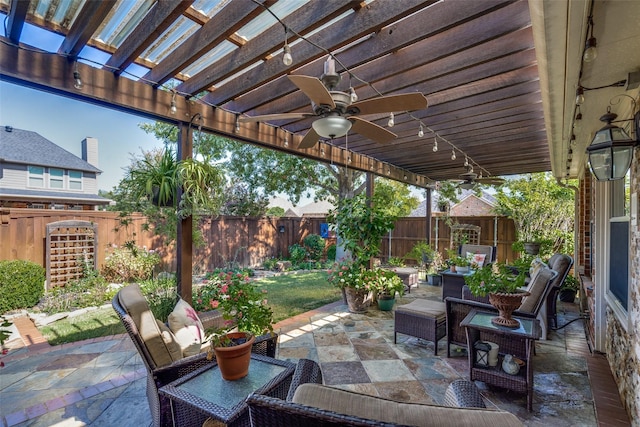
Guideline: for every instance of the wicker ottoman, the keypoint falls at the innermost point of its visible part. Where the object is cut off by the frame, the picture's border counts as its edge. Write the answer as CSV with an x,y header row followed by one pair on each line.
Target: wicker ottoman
x,y
421,318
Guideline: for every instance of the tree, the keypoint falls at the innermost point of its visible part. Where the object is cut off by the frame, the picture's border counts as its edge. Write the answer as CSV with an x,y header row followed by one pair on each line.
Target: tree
x,y
396,197
541,209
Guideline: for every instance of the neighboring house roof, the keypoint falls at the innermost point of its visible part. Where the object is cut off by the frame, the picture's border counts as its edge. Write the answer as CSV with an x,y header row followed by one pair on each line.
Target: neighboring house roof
x,y
39,195
28,147
464,196
320,208
280,202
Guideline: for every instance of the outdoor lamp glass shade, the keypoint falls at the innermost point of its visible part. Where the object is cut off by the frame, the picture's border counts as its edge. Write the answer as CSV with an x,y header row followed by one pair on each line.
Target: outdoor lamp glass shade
x,y
610,151
331,126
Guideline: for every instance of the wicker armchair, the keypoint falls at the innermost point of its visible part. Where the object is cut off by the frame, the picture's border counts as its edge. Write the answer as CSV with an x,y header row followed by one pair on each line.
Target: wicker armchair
x,y
160,374
562,264
457,309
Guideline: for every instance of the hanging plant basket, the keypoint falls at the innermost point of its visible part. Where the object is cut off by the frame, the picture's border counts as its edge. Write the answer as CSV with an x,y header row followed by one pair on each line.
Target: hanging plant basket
x,y
532,248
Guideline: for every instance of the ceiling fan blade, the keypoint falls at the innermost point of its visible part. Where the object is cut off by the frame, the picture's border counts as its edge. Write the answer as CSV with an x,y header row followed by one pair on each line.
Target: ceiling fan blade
x,y
310,139
269,117
314,89
491,181
391,103
371,130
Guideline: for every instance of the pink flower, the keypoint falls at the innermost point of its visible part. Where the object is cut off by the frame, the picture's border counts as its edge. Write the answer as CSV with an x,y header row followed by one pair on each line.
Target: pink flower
x,y
224,289
215,304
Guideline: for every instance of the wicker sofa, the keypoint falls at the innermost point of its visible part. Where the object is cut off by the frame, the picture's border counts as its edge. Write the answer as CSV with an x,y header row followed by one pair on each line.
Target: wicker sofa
x,y
317,405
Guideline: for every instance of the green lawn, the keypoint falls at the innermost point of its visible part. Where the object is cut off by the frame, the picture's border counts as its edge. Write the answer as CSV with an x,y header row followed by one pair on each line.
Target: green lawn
x,y
288,295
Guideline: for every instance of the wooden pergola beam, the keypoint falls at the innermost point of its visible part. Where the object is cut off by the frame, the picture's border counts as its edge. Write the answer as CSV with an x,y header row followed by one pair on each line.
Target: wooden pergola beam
x,y
54,73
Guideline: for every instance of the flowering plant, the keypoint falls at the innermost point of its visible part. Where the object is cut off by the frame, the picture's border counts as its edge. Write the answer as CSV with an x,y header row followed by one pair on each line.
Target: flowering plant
x,y
242,303
349,274
388,282
494,278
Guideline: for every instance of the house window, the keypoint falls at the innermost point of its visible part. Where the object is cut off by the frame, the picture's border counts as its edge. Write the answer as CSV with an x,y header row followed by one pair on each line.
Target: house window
x,y
619,254
75,180
36,176
56,178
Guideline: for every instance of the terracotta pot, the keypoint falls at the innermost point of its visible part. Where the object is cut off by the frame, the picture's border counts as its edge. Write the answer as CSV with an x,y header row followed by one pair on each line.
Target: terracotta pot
x,y
357,300
506,303
234,361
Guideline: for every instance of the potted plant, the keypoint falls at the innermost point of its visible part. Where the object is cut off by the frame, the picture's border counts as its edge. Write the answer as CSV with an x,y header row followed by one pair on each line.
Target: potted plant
x,y
245,310
569,288
387,284
158,175
350,276
434,270
360,225
461,264
503,287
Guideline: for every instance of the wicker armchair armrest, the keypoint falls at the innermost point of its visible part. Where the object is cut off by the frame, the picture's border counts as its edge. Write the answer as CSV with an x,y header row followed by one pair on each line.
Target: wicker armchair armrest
x,y
180,368
307,371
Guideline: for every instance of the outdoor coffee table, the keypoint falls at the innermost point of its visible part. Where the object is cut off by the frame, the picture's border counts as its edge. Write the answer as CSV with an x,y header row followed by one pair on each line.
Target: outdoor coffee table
x,y
203,393
518,342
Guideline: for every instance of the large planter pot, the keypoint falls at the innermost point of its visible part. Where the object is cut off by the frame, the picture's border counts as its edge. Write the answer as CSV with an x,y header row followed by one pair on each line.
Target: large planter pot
x,y
567,295
506,303
357,300
385,302
532,248
234,361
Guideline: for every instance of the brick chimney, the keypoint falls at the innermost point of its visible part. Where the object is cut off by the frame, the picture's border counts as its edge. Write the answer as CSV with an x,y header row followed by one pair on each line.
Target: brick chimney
x,y
90,150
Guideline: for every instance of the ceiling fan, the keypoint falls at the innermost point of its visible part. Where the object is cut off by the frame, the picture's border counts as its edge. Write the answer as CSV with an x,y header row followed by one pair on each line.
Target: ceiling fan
x,y
469,179
338,111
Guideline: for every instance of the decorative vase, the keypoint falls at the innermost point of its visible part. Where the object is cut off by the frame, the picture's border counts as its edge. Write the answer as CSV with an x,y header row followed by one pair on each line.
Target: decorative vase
x,y
506,303
509,365
234,361
358,300
385,302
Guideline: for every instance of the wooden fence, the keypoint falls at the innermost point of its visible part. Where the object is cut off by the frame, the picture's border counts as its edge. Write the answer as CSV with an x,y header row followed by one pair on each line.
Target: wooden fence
x,y
241,240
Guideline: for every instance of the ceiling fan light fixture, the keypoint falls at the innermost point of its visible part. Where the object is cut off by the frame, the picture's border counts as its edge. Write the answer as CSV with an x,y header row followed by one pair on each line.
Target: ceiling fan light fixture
x,y
468,185
331,126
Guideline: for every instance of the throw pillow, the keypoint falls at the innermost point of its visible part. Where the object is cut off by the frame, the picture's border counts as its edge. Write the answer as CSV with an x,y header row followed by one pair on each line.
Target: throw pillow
x,y
187,328
477,259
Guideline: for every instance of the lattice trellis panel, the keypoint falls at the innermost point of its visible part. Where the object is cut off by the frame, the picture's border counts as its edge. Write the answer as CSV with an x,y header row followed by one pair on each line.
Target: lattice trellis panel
x,y
70,246
465,233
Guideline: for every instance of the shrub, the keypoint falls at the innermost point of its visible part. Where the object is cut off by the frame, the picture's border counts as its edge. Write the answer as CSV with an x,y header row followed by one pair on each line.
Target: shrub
x,y
129,264
297,254
270,263
21,284
395,261
314,244
162,296
89,291
331,252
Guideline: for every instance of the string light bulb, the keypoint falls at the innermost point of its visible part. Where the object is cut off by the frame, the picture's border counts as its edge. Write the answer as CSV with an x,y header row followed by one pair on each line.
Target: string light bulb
x,y
237,124
435,144
287,59
421,131
466,161
580,95
286,140
391,121
590,51
353,95
453,154
77,81
173,109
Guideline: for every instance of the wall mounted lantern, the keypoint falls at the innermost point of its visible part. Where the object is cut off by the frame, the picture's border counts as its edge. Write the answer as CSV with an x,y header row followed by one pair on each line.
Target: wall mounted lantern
x,y
611,150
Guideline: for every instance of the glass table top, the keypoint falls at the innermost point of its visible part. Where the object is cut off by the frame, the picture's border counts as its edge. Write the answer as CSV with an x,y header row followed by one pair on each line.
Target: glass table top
x,y
210,385
528,327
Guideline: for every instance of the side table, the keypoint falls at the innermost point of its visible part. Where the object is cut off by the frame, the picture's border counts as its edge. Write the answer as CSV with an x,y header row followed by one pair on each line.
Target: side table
x,y
518,342
204,393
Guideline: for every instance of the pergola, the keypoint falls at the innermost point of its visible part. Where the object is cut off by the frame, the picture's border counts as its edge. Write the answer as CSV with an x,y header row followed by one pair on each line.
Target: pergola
x,y
500,76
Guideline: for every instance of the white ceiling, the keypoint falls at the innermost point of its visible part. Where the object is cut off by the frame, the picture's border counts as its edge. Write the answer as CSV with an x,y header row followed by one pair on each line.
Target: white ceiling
x,y
560,32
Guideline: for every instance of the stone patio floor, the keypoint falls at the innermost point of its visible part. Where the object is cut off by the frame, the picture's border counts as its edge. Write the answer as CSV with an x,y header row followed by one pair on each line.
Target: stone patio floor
x,y
101,382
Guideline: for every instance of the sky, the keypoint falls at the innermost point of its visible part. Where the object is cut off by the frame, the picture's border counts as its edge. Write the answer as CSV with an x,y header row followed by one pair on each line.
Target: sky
x,y
66,122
